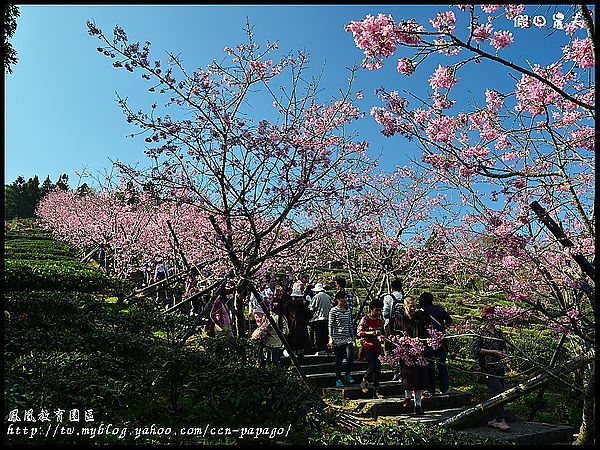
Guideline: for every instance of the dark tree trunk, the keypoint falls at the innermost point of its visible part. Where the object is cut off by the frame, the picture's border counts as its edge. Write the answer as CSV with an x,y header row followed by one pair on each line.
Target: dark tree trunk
x,y
587,431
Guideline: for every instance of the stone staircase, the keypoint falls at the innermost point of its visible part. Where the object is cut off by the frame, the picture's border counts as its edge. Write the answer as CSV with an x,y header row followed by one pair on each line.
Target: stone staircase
x,y
366,409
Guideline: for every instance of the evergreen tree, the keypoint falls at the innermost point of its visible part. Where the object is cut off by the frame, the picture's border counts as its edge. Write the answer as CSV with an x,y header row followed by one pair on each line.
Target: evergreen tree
x,y
11,12
63,182
83,190
22,197
30,197
47,187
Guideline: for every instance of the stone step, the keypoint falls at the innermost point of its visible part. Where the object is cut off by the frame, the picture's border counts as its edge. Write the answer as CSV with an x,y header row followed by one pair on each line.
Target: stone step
x,y
327,367
388,388
327,381
393,406
527,433
311,359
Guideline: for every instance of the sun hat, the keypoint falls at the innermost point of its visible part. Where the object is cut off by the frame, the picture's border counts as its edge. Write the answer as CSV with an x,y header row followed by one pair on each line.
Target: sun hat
x,y
487,311
296,293
318,287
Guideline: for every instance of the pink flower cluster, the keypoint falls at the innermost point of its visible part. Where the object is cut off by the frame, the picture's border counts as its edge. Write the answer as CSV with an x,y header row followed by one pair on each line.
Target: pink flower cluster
x,y
405,66
482,32
488,9
409,32
564,324
584,137
376,36
408,350
441,129
411,351
510,315
581,53
502,39
533,95
443,77
513,11
444,21
476,152
493,100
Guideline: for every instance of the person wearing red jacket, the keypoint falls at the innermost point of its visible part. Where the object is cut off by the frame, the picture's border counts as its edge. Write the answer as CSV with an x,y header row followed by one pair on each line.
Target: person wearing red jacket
x,y
370,331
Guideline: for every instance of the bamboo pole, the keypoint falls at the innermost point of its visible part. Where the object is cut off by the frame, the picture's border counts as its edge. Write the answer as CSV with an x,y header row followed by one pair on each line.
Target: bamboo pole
x,y
89,255
518,391
192,297
283,339
190,330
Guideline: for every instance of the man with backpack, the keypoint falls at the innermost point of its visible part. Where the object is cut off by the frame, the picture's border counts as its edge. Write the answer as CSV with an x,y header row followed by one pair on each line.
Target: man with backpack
x,y
393,306
439,319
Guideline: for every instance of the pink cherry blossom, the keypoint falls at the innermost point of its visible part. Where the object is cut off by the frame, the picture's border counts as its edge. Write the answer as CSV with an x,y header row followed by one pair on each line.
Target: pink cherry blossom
x,y
581,52
444,21
513,11
482,32
488,9
502,39
376,36
443,77
405,66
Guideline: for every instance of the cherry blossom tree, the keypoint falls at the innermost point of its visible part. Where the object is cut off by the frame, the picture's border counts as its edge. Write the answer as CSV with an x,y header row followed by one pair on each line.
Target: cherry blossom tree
x,y
534,142
205,141
380,232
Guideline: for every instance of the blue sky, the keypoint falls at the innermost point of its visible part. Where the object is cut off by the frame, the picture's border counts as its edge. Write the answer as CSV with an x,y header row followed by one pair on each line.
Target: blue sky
x,y
61,113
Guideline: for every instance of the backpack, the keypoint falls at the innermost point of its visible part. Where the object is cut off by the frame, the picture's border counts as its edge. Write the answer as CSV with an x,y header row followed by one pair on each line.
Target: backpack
x,y
393,311
436,324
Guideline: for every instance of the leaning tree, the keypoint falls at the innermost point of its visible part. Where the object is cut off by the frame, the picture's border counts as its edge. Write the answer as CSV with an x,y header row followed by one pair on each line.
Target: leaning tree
x,y
210,135
509,152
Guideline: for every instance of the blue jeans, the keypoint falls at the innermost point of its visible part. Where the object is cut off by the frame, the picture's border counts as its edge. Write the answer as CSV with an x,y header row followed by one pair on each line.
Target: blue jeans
x,y
442,369
341,352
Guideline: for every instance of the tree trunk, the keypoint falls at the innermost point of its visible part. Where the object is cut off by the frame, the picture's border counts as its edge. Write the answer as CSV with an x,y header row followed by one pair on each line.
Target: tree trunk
x,y
587,431
240,317
520,390
242,290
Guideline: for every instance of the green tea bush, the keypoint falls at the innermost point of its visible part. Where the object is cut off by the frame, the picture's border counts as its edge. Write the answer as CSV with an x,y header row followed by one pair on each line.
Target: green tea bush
x,y
48,275
407,433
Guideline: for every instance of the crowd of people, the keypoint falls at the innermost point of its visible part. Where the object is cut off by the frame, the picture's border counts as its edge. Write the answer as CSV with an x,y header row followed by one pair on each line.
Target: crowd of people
x,y
314,322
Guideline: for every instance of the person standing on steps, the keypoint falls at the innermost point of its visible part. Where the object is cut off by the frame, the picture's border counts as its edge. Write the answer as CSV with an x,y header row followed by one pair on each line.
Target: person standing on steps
x,y
370,330
270,345
320,305
340,282
392,308
440,319
341,339
490,347
297,315
413,324
220,321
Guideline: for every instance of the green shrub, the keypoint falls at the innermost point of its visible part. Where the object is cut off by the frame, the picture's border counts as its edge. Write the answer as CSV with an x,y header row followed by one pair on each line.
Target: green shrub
x,y
48,275
407,433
